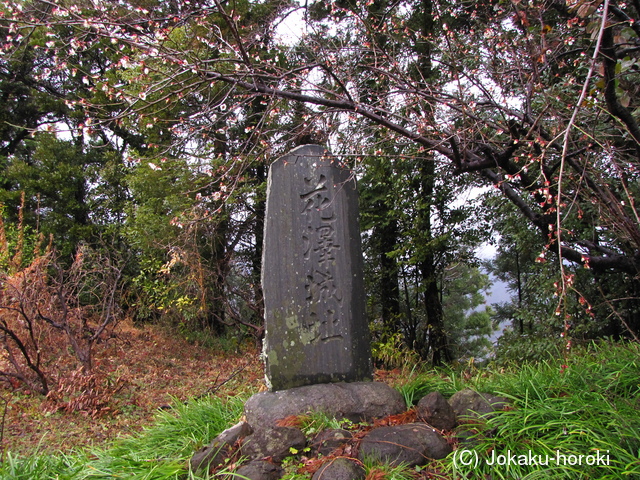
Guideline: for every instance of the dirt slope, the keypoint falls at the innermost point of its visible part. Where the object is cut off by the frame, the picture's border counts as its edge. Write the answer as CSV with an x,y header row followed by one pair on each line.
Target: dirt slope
x,y
135,373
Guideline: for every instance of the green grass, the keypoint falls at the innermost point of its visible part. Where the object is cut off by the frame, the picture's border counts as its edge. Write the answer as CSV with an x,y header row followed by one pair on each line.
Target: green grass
x,y
389,472
315,422
158,453
419,384
37,467
592,405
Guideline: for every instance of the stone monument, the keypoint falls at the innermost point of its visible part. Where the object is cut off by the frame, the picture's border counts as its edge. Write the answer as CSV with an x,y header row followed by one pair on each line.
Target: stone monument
x,y
317,352
316,328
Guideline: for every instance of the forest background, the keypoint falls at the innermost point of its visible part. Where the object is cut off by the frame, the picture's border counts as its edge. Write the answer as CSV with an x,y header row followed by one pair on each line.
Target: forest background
x,y
136,138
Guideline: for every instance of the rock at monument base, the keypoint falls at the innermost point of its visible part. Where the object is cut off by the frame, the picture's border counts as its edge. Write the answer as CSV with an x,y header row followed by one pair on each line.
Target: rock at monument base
x,y
259,470
354,401
436,411
410,445
340,468
325,442
265,444
275,442
469,404
215,453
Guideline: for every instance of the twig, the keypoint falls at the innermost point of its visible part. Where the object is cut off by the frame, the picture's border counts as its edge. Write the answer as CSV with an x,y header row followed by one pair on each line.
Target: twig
x,y
565,151
236,372
615,312
2,425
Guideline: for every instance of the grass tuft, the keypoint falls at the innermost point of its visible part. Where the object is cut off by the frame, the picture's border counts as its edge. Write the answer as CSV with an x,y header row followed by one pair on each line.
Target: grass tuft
x,y
379,471
160,452
588,407
416,385
43,466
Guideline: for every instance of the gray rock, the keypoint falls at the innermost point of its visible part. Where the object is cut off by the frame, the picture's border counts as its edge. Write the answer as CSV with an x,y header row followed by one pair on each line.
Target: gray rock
x,y
274,442
259,470
215,453
314,301
410,444
340,468
436,411
471,405
327,441
354,401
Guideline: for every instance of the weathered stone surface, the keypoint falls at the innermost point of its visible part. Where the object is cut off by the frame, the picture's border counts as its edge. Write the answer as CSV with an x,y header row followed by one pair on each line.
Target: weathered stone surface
x,y
259,470
215,453
274,442
316,330
327,441
470,404
410,444
340,468
436,411
354,401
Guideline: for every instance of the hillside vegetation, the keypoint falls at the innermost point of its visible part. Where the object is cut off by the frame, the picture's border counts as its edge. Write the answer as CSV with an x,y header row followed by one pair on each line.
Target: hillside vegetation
x,y
579,405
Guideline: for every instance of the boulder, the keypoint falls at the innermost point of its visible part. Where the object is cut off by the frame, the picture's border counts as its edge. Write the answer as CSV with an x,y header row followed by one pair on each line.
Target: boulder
x,y
340,468
471,405
355,401
274,442
259,470
327,441
215,453
436,411
410,444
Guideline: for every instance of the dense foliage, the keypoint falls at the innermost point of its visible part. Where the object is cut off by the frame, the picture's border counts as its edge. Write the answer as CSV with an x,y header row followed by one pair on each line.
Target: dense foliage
x,y
150,126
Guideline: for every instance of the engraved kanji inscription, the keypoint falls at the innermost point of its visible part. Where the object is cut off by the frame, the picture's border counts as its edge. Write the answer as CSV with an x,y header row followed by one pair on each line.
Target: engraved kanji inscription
x,y
323,308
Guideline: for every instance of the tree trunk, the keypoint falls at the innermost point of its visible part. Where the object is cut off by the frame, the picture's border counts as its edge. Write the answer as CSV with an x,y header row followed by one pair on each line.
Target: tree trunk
x,y
434,341
388,281
260,211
